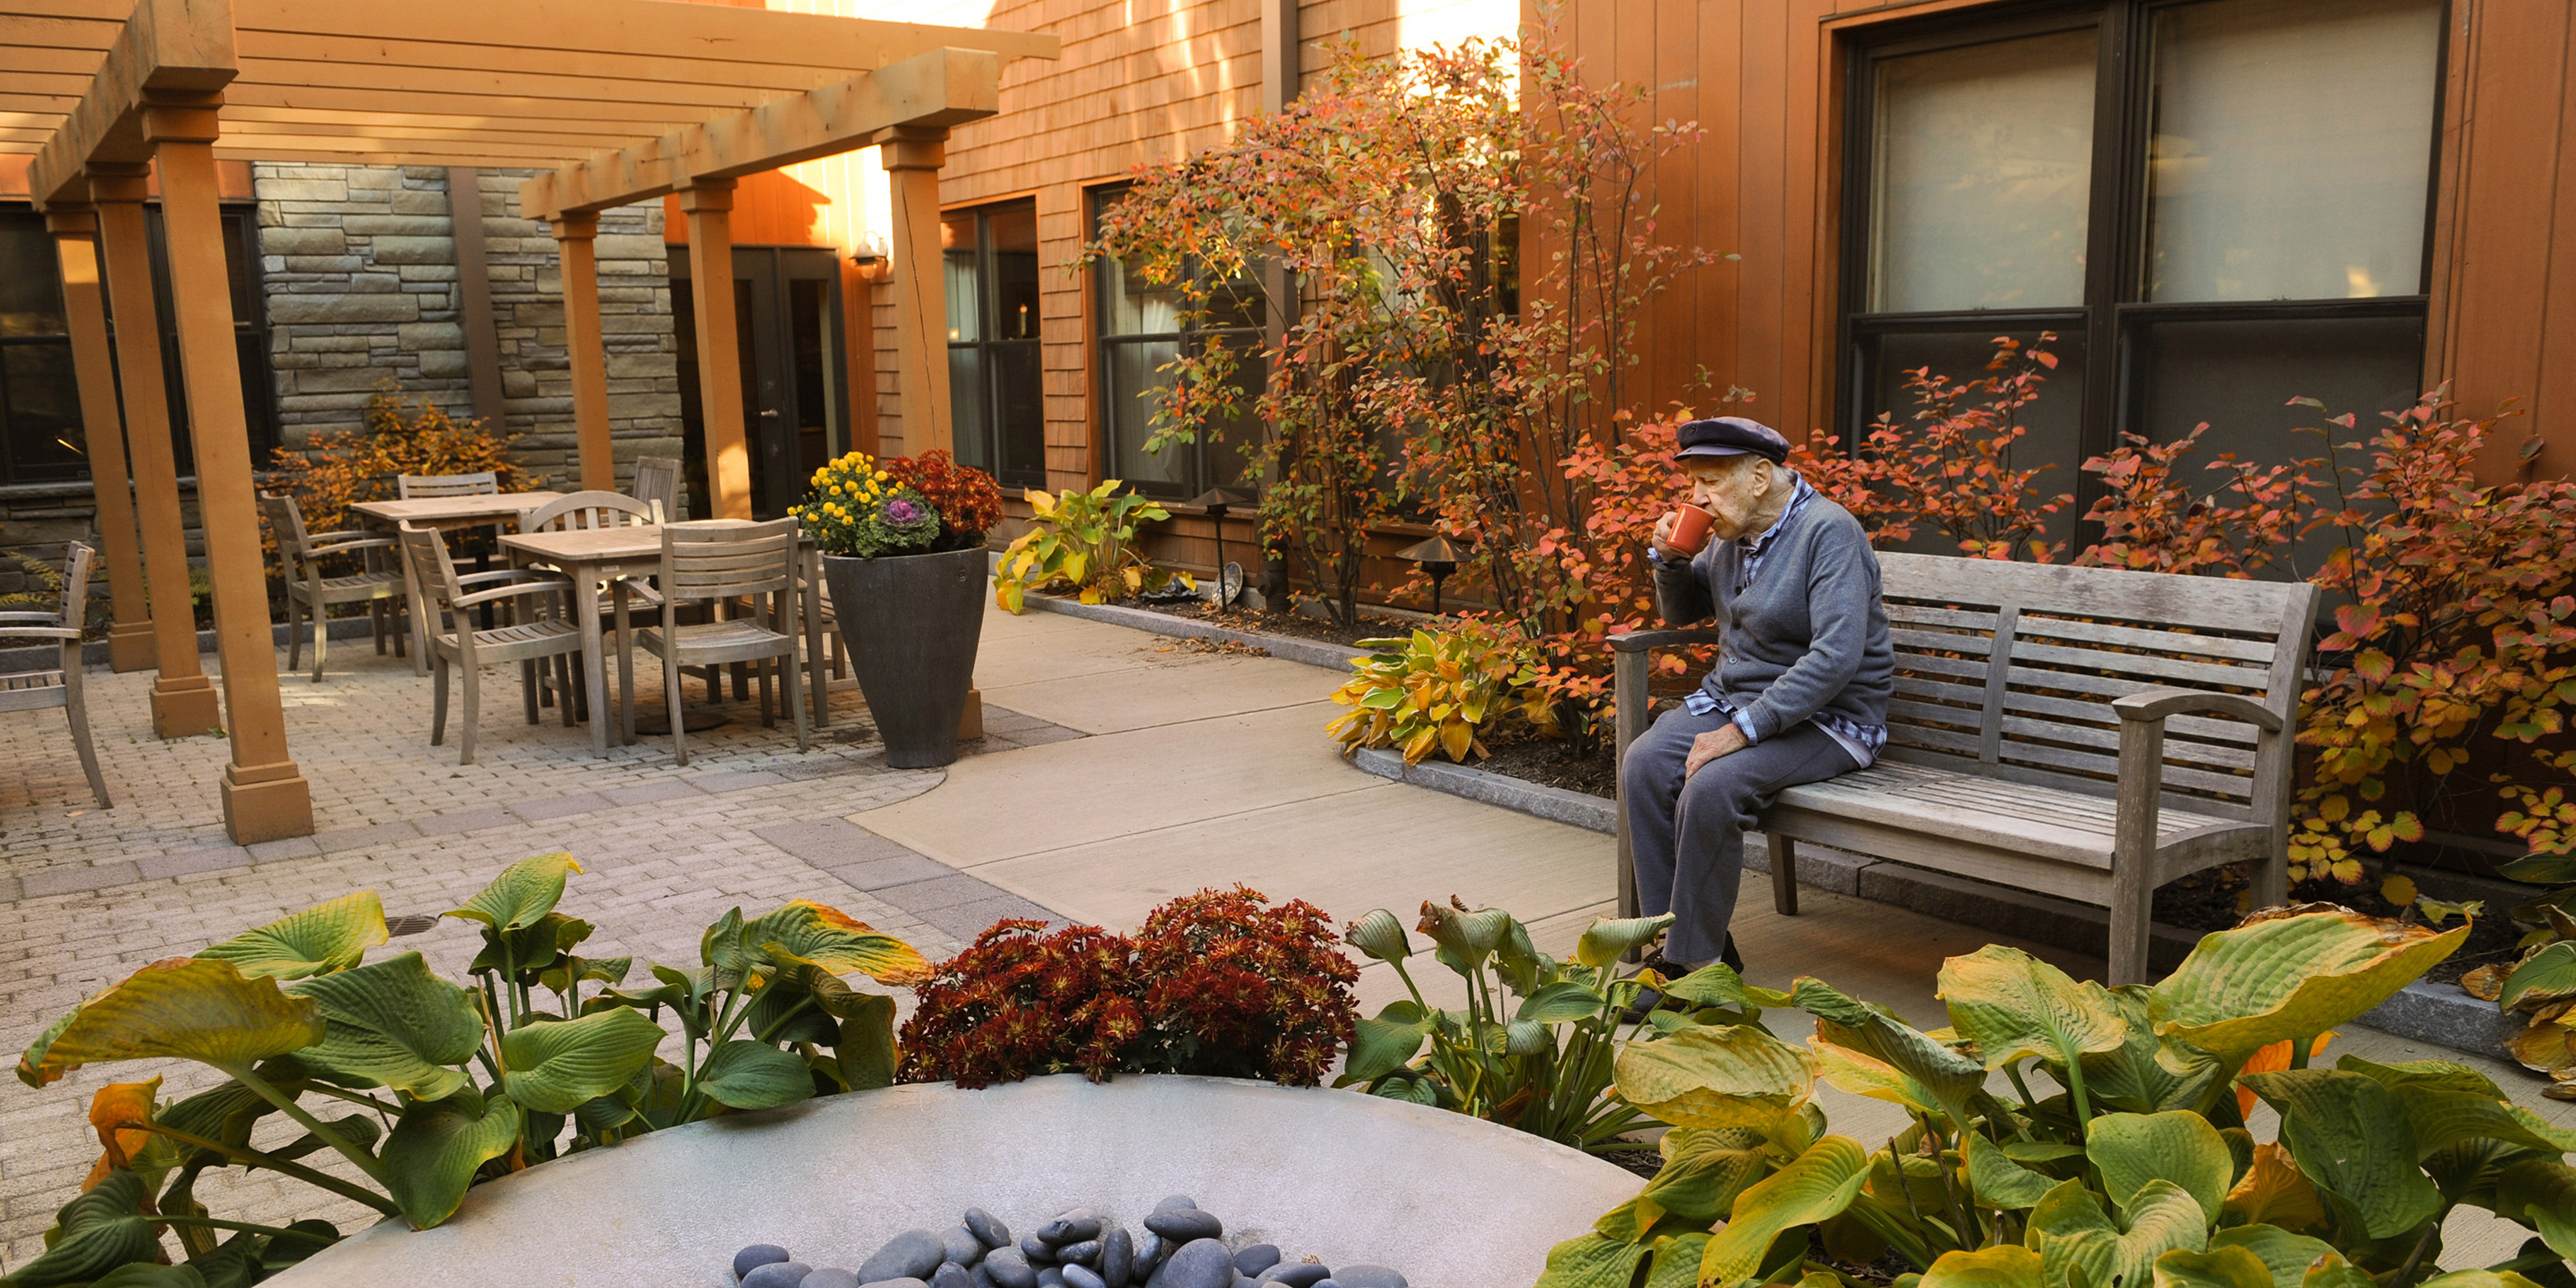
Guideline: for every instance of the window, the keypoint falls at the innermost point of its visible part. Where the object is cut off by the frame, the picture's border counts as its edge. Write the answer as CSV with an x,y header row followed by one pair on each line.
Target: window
x,y
2215,204
995,393
1140,333
42,439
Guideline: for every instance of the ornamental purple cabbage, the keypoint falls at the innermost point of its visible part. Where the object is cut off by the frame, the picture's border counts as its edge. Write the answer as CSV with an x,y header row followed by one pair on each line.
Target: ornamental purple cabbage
x,y
901,511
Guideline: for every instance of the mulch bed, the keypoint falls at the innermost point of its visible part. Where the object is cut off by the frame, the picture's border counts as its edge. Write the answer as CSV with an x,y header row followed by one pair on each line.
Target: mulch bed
x,y
1296,624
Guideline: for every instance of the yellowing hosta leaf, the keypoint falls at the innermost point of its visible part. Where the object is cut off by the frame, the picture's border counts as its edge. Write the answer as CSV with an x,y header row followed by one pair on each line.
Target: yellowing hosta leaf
x,y
2286,1255
1606,939
2291,973
2075,1236
1703,1173
117,1113
2010,1004
1860,1074
324,938
808,933
2216,1268
1941,1072
1817,1184
2332,1271
186,1008
2275,1192
1591,1261
1999,1181
2131,1150
1732,1075
2006,1265
525,891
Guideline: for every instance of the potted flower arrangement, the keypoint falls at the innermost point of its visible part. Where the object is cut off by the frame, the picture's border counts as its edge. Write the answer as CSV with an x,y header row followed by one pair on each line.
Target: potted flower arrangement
x,y
903,555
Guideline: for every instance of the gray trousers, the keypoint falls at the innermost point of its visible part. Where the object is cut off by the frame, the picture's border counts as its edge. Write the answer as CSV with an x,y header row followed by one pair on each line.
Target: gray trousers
x,y
1688,835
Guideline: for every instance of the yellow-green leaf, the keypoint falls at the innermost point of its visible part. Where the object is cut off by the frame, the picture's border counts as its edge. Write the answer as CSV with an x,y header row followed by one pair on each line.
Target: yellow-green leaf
x,y
2551,972
2353,1142
1944,1074
2291,974
525,891
1703,1173
392,1024
1608,938
808,933
1592,1262
2001,1182
2274,1192
2541,1191
2074,1235
2006,1265
1730,1075
187,1008
2131,1150
2216,1268
2286,1255
554,1066
326,937
743,1074
2010,1005
1817,1184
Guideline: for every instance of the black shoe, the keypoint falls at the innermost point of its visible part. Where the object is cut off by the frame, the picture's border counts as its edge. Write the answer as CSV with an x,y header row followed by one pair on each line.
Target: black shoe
x,y
1731,957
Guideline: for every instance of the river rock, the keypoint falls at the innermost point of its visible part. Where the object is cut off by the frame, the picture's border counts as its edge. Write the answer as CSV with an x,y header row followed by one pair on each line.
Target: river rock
x,y
1039,1252
987,1228
1077,1275
1200,1263
909,1255
1072,1227
952,1275
1082,1252
1051,1277
1117,1257
1368,1276
1257,1258
1183,1225
1008,1269
830,1277
962,1248
756,1256
1171,1201
1296,1274
777,1274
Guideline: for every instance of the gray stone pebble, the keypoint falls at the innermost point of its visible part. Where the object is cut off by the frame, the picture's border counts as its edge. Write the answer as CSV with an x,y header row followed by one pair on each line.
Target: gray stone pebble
x,y
1257,1258
1037,1250
1149,1254
1072,1227
1171,1201
777,1274
1008,1269
1083,1252
1296,1274
1117,1257
1077,1275
830,1277
963,1248
1184,1225
1200,1263
1367,1276
905,1282
1051,1278
987,1228
909,1255
952,1275
756,1256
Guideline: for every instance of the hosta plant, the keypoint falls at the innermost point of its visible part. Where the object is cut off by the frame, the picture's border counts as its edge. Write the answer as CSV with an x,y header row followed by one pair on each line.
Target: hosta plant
x,y
1079,541
1543,1063
438,1085
2067,1135
2540,989
1430,692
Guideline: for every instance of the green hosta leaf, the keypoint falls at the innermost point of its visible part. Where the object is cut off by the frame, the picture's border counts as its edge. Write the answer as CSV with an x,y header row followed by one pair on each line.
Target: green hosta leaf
x,y
2291,975
2003,1266
2001,1182
145,1275
2076,1238
326,937
1380,937
743,1074
1385,1044
1817,1184
1942,1073
1717,984
430,1158
1527,1038
2131,1150
2332,1271
1415,1090
2442,1118
1703,1173
2216,1268
2552,970
1559,1003
2148,1074
1465,938
2479,1279
2286,1255
583,970
92,1235
1733,1075
2423,1075
392,1024
2541,1191
532,951
2541,869
186,1008
1677,1258
728,953
525,891
2009,1005
2352,1140
556,1065
1592,1262
1608,939
808,933
866,1047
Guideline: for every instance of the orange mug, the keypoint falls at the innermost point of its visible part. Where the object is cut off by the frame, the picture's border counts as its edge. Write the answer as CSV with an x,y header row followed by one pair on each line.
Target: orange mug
x,y
1690,528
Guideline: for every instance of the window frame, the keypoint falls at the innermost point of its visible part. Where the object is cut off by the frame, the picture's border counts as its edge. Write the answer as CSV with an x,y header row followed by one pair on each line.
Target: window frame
x,y
988,305
1188,339
2114,316
9,467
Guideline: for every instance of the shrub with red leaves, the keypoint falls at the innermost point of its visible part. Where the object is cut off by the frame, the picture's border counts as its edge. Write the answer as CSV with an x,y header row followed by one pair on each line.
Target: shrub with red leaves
x,y
968,501
1217,983
1239,989
1021,1002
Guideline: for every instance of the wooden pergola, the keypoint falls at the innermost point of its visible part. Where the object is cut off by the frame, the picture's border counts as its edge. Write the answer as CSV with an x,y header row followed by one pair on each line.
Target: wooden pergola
x,y
617,100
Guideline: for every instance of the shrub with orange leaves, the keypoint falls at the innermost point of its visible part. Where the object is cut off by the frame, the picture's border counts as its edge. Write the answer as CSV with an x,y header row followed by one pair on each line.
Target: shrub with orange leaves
x,y
336,471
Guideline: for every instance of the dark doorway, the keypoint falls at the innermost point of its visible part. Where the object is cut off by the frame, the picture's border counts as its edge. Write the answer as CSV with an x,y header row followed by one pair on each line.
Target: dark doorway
x,y
795,384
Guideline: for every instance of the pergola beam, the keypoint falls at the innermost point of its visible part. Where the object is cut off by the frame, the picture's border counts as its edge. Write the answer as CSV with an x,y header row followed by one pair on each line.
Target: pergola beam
x,y
934,89
768,37
167,47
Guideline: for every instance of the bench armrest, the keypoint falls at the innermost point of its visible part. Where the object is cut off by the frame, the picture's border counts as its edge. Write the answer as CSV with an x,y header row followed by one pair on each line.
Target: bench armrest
x,y
1641,641
38,632
2156,704
33,619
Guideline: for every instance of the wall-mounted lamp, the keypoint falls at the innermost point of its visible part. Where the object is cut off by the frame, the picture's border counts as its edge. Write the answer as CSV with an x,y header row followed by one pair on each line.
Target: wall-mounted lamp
x,y
874,258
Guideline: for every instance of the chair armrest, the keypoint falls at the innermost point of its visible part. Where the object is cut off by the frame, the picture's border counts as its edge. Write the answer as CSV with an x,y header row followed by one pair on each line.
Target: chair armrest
x,y
2156,704
32,619
352,539
531,575
38,632
1642,641
552,587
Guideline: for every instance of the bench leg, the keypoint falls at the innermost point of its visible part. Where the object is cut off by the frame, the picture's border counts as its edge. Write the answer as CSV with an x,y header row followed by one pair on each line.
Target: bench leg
x,y
1784,873
2132,904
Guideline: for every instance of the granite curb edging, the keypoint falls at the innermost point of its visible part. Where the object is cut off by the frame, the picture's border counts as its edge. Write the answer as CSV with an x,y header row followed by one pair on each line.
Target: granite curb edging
x,y
2438,1014
1334,657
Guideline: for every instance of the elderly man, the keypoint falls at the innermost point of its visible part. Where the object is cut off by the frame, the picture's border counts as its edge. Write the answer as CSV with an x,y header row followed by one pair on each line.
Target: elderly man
x,y
1801,684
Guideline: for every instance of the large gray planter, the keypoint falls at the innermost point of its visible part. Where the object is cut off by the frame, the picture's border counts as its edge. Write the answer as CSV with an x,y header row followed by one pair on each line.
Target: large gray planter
x,y
1452,1201
912,623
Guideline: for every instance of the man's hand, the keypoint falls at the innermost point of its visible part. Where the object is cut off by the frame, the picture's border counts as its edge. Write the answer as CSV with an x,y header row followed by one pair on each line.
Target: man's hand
x,y
1723,740
1663,541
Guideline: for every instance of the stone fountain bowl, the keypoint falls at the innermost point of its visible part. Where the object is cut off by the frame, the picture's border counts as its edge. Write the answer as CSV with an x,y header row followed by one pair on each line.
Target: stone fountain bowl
x,y
1451,1201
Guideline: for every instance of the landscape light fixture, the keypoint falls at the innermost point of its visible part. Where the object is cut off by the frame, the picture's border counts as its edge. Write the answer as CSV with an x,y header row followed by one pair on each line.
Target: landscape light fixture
x,y
1216,501
1438,559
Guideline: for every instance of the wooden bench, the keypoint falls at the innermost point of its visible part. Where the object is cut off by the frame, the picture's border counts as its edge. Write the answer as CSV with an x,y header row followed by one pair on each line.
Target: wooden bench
x,y
2088,733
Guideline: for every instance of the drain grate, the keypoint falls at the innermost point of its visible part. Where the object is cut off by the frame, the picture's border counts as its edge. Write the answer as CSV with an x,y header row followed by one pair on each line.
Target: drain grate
x,y
412,924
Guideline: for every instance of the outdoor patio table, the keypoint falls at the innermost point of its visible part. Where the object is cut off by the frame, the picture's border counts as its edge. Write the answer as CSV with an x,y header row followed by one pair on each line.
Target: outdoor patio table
x,y
447,514
594,555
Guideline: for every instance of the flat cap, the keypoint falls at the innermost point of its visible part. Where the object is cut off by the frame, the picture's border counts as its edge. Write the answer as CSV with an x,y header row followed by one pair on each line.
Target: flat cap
x,y
1732,436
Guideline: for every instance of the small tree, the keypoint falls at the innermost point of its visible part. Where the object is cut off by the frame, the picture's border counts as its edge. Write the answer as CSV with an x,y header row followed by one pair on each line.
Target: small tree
x,y
338,470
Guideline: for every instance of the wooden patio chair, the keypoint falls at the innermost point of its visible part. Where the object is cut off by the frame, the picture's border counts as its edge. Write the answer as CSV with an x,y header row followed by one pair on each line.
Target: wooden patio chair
x,y
410,487
310,594
753,560
60,687
582,512
657,482
538,630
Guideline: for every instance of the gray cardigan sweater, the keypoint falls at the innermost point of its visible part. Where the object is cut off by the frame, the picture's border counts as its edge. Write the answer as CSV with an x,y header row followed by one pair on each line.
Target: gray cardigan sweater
x,y
1809,635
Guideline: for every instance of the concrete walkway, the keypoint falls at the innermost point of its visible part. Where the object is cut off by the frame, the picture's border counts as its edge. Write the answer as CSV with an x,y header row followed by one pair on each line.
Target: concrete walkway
x,y
1124,769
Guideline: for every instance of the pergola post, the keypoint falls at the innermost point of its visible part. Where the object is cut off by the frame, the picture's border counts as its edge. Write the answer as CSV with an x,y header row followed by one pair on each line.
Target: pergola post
x,y
265,795
912,156
709,206
576,244
129,636
183,699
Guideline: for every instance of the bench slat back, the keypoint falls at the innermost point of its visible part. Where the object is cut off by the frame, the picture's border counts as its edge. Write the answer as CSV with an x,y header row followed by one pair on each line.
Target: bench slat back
x,y
2009,669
